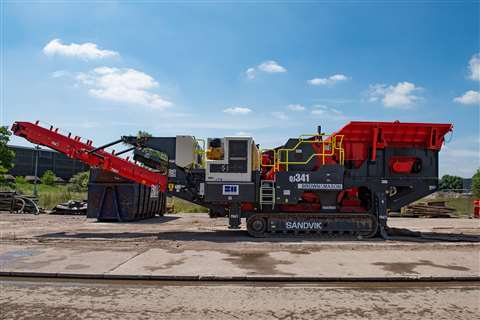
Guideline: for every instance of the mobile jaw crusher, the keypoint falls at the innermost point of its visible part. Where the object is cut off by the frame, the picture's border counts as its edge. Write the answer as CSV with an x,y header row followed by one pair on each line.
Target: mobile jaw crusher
x,y
339,184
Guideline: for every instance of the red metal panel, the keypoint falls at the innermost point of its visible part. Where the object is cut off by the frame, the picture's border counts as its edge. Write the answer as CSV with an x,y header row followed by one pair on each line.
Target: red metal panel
x,y
76,149
401,164
359,136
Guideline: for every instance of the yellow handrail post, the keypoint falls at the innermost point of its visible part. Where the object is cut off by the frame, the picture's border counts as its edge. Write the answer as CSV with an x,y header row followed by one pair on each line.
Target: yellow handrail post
x,y
276,158
323,152
286,161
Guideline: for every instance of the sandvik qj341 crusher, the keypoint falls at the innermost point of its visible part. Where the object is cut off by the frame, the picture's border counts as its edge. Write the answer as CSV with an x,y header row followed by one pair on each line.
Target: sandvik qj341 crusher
x,y
344,183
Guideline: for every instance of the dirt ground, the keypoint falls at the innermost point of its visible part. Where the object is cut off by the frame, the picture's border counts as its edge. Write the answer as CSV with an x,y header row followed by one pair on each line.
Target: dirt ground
x,y
73,300
191,242
181,227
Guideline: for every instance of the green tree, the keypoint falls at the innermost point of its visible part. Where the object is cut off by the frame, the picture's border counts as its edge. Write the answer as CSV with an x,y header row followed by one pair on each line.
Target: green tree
x,y
6,154
79,182
449,182
476,184
142,134
48,178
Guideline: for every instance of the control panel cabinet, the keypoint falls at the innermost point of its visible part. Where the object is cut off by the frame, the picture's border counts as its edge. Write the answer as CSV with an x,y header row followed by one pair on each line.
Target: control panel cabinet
x,y
236,165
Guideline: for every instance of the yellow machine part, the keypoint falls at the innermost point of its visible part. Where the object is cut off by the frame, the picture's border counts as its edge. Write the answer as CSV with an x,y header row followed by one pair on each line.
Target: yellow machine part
x,y
255,158
215,153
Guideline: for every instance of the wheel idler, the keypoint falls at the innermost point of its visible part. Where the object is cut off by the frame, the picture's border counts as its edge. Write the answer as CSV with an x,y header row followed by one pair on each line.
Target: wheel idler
x,y
257,227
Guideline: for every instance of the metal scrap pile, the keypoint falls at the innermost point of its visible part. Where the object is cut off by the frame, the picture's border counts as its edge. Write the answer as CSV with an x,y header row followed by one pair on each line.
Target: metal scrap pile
x,y
17,203
71,207
430,209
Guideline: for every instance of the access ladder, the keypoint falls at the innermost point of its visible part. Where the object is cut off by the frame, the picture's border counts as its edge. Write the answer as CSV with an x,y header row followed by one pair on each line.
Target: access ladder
x,y
267,193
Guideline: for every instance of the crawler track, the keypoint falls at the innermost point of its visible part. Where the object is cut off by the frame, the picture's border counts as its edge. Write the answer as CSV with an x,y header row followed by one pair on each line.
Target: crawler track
x,y
356,225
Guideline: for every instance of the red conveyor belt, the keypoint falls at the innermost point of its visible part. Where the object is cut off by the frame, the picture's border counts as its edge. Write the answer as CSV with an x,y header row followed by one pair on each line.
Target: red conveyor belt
x,y
85,152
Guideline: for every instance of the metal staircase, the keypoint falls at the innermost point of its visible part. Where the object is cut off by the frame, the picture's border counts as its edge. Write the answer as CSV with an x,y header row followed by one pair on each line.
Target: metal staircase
x,y
267,193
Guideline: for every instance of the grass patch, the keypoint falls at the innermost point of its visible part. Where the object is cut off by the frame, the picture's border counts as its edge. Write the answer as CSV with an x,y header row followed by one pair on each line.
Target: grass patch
x,y
50,196
463,205
183,206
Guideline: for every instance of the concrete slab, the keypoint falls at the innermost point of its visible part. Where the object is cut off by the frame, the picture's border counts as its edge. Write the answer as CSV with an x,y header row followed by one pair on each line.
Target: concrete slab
x,y
382,263
41,259
192,245
160,262
335,263
451,261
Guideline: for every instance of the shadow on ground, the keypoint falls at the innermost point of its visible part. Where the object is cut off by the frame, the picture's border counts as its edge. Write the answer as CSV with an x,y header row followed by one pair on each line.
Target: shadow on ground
x,y
154,220
402,234
229,236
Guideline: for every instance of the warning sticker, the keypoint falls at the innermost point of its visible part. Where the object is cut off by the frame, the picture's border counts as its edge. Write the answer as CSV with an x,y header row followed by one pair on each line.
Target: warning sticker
x,y
154,191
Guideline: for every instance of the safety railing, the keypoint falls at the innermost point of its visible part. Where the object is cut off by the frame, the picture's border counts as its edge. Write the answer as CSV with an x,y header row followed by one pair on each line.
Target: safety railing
x,y
330,146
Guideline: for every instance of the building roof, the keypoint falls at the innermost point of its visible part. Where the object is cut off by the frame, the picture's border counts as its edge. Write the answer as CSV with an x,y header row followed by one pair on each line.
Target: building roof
x,y
31,148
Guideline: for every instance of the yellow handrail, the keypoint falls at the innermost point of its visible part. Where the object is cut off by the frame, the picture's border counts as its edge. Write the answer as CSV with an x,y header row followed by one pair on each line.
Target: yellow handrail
x,y
333,143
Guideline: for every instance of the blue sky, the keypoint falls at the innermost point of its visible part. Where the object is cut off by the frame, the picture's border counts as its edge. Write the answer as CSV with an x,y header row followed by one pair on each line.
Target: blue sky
x,y
272,71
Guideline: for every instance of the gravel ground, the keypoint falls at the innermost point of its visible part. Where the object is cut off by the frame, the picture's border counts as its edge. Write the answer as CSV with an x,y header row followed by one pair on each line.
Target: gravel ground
x,y
67,300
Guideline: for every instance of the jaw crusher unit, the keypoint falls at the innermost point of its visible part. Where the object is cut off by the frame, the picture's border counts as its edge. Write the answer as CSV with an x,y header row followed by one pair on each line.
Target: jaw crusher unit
x,y
339,184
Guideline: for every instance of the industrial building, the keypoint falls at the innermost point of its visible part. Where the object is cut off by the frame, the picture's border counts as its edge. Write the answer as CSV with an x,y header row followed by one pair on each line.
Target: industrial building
x,y
63,166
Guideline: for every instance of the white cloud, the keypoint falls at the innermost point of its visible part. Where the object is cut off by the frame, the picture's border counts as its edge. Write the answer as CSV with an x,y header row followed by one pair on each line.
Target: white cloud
x,y
123,85
474,67
460,157
319,109
243,134
328,81
280,115
60,74
237,110
336,111
269,66
318,81
295,107
398,96
470,97
327,113
250,73
87,51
